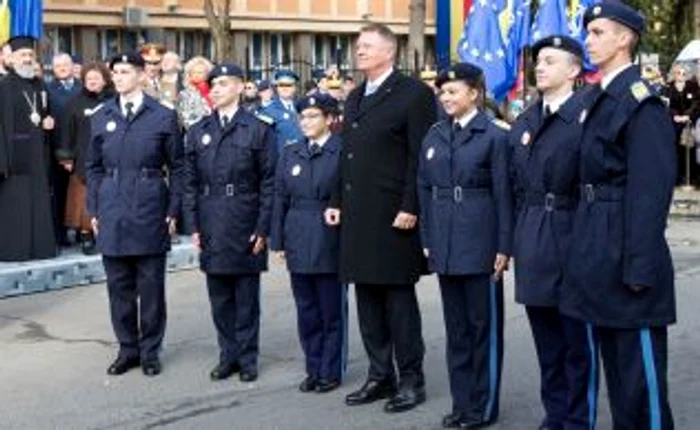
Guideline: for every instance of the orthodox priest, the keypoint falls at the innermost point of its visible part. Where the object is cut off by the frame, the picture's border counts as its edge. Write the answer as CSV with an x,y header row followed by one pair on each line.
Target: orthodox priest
x,y
26,227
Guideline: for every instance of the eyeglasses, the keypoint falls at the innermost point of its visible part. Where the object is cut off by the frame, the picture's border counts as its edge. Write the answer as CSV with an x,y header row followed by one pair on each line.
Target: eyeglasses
x,y
284,85
310,116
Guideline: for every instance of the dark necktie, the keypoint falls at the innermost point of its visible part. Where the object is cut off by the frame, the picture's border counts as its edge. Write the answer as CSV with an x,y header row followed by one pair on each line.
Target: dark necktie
x,y
314,149
547,112
129,111
226,120
456,128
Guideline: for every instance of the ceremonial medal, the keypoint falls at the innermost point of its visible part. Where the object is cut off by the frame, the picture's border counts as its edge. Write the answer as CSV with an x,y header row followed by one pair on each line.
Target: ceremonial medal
x,y
111,126
296,170
525,138
35,118
431,152
206,140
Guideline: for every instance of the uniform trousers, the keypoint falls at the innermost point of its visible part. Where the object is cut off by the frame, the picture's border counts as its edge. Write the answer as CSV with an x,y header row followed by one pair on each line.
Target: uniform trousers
x,y
321,302
235,309
136,287
568,357
390,325
473,313
635,363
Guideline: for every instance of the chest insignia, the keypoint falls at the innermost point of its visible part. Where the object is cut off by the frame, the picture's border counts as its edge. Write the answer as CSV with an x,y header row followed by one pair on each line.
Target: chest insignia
x,y
206,140
582,117
296,170
111,126
525,138
430,153
285,116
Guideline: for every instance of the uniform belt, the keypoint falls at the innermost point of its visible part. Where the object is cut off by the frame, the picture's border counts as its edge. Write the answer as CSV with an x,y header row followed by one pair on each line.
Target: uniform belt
x,y
142,173
550,201
309,204
226,190
604,193
458,193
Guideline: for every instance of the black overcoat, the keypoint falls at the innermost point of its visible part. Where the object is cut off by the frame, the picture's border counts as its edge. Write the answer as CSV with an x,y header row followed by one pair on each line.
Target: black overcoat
x,y
382,136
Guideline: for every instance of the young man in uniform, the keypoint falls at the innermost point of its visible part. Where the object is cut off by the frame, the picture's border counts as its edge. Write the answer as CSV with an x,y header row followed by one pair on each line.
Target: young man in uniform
x,y
620,274
133,207
545,141
230,171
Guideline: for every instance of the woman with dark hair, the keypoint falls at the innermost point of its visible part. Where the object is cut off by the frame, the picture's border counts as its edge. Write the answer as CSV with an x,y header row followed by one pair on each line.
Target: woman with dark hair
x,y
74,143
466,227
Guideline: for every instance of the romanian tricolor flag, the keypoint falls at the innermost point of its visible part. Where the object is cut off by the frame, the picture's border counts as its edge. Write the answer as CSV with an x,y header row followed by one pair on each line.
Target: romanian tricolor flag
x,y
4,21
450,17
21,18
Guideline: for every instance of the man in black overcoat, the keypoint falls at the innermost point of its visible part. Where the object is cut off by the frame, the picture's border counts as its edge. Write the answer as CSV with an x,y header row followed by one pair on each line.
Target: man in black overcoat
x,y
376,206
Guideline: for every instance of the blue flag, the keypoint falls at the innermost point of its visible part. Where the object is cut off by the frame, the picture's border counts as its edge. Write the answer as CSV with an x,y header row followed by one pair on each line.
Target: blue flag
x,y
578,31
551,19
519,32
26,18
483,46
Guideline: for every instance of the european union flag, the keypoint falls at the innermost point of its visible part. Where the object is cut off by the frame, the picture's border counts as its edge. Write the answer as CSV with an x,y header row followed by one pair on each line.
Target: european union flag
x,y
551,19
482,45
26,18
578,31
519,32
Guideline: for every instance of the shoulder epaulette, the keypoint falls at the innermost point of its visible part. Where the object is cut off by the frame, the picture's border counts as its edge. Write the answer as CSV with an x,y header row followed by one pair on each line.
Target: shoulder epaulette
x,y
264,118
640,91
500,124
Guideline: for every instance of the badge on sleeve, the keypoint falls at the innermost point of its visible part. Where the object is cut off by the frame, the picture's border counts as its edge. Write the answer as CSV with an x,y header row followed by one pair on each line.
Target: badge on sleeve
x,y
296,170
430,153
111,126
206,140
525,138
639,91
582,118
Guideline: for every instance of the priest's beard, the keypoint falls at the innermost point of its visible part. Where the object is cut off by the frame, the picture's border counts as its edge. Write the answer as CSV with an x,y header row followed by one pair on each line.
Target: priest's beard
x,y
24,71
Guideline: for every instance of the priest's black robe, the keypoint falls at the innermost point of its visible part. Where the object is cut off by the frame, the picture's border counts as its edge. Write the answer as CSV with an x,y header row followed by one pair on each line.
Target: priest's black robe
x,y
26,226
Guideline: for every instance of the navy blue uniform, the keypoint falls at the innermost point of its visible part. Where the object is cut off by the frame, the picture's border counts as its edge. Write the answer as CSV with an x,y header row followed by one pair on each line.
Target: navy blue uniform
x,y
627,171
130,196
229,191
545,179
305,181
286,121
466,219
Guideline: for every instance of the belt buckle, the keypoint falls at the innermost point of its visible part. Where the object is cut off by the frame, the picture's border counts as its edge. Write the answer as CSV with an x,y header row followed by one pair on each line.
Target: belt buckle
x,y
458,194
229,190
590,193
549,200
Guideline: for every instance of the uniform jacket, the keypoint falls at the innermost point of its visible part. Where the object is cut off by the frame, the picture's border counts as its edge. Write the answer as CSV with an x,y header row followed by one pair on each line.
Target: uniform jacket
x,y
286,121
466,200
627,171
382,135
229,190
304,185
127,165
545,157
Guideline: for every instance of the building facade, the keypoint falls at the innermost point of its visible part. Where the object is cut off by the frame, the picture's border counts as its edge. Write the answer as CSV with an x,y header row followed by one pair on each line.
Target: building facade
x,y
302,34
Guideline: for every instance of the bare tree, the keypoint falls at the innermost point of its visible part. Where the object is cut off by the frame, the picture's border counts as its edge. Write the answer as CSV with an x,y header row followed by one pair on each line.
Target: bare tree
x,y
218,14
416,34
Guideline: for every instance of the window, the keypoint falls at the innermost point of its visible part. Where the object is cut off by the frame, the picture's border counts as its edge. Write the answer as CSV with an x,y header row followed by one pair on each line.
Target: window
x,y
110,42
320,51
280,49
130,41
64,40
341,51
256,55
274,49
188,50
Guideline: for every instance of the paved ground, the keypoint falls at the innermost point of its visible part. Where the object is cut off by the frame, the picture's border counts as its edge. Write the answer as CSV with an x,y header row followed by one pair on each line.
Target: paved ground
x,y
54,348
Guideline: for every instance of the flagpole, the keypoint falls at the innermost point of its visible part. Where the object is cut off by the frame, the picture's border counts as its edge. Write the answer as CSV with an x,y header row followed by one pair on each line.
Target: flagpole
x,y
523,59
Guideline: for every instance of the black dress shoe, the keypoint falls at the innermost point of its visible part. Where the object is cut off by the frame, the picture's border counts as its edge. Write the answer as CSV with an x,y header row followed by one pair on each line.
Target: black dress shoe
x,y
248,376
122,365
325,386
151,367
87,244
452,421
308,384
476,424
224,370
370,392
406,399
